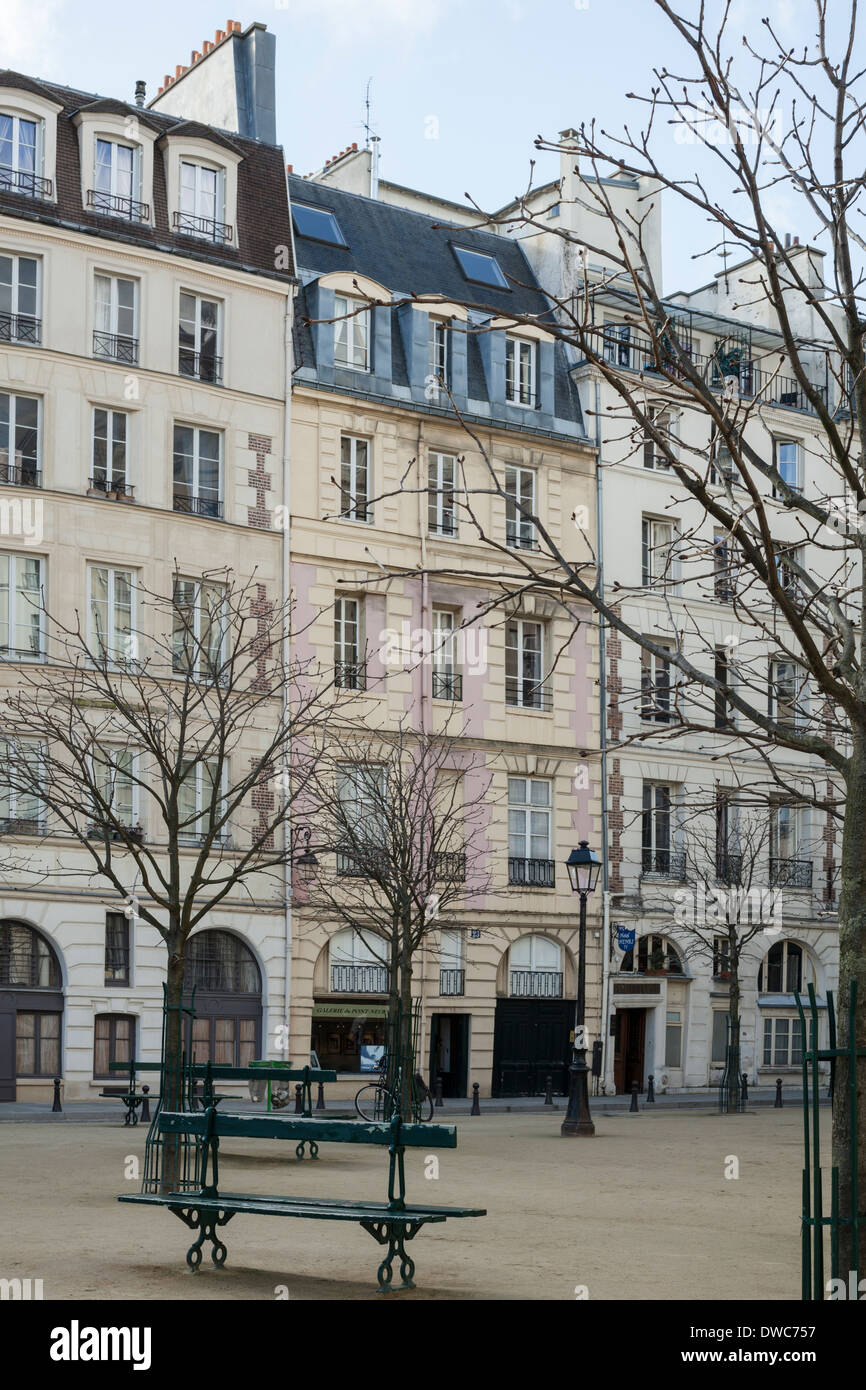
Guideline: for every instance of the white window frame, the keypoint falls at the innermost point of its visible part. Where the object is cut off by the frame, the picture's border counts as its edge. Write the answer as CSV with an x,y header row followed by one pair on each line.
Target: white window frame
x,y
799,702
114,310
195,484
348,614
664,419
439,354
442,484
356,780
352,333
526,809
519,531
109,753
39,142
114,171
197,331
782,442
654,574
521,367
200,587
8,559
770,1032
11,452
188,835
15,287
13,801
201,166
354,505
112,479
656,685
523,650
116,657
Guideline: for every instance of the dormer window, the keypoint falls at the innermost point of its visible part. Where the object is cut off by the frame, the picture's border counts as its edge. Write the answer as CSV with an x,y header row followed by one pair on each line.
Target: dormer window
x,y
21,156
519,371
202,202
117,181
351,334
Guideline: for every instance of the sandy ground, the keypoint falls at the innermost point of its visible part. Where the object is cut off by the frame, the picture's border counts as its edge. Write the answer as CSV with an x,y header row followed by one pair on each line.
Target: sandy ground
x,y
641,1211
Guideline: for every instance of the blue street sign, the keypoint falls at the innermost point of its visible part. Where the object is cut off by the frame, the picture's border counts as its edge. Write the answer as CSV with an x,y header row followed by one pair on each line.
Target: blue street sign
x,y
625,938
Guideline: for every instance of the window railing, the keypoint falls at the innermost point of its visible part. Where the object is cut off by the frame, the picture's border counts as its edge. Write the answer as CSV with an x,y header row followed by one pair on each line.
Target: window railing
x,y
21,825
19,474
532,873
202,366
536,984
525,694
446,527
23,181
104,830
664,863
118,205
350,675
450,866
520,540
790,873
206,227
364,863
197,506
729,867
447,685
359,979
115,347
20,328
452,980
31,653
112,488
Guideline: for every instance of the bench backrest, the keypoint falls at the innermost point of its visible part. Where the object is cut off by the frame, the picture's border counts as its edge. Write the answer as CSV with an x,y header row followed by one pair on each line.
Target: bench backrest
x,y
214,1124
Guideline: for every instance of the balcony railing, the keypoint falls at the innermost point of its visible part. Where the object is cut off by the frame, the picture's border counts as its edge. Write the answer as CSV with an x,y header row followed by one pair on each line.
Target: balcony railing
x,y
532,873
112,488
18,474
363,863
451,981
20,825
446,527
664,863
359,979
526,694
790,873
350,675
115,347
206,227
536,984
22,181
450,866
729,867
447,685
201,366
518,539
118,206
20,328
101,830
197,506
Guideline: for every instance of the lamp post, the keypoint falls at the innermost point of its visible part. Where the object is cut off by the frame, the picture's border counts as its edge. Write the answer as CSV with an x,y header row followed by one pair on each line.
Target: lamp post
x,y
307,863
583,869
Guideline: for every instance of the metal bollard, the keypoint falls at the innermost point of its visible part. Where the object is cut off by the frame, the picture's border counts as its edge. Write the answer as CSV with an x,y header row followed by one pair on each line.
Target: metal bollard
x,y
437,1089
145,1104
651,1091
633,1108
299,1103
476,1108
320,1098
548,1090
57,1106
745,1079
778,1102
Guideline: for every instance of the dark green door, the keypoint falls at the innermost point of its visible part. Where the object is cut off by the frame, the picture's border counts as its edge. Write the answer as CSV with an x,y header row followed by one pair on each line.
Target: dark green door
x,y
531,1041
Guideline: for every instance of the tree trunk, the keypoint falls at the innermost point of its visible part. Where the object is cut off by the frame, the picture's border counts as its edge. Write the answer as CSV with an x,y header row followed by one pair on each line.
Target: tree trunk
x,y
852,966
735,1061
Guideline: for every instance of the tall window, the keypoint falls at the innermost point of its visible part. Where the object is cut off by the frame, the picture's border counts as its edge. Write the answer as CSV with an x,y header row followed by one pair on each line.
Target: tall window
x,y
20,444
114,784
722,469
724,567
657,552
656,830
519,371
117,952
723,671
673,1038
520,508
110,601
355,478
199,338
21,809
113,1041
37,1044
116,181
199,795
788,463
115,327
788,694
21,156
441,508
781,970
524,666
362,793
197,471
447,683
439,353
198,643
719,1044
535,968
661,421
789,562
789,865
351,334
20,607
783,1042
530,858
349,671
655,686
19,300
110,438
26,959
202,199
617,344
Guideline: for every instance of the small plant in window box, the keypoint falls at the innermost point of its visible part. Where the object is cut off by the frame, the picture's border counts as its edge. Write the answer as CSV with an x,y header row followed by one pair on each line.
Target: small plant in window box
x,y
657,962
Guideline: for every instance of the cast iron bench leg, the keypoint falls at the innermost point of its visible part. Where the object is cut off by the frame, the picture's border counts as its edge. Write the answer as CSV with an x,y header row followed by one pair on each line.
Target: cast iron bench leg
x,y
394,1234
314,1148
206,1224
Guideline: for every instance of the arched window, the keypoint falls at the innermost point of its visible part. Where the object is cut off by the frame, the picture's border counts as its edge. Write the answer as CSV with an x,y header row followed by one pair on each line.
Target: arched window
x,y
26,959
219,962
358,963
32,1001
535,968
228,999
655,956
784,969
113,1041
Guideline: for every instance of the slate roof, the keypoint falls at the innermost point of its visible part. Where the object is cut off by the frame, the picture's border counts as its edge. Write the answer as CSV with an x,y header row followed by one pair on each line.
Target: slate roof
x,y
262,208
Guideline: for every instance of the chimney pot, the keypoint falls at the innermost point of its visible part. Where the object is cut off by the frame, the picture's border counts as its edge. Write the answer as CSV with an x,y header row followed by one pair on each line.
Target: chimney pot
x,y
220,35
290,169
207,46
232,26
796,241
354,144
140,91
178,69
195,55
166,80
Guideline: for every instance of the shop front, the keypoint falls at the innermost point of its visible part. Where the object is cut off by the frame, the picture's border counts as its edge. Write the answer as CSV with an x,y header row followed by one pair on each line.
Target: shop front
x,y
348,1036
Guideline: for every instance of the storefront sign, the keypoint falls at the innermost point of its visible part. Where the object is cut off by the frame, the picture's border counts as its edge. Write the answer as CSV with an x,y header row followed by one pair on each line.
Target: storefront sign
x,y
350,1010
625,938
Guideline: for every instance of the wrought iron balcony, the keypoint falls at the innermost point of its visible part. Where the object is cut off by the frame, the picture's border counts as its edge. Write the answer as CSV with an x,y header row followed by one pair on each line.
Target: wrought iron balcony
x,y
527,694
21,825
23,181
23,474
790,873
447,685
359,979
521,538
729,867
536,984
361,863
104,830
197,506
446,527
532,873
350,675
117,205
201,366
113,488
206,227
452,981
20,328
450,866
115,347
663,863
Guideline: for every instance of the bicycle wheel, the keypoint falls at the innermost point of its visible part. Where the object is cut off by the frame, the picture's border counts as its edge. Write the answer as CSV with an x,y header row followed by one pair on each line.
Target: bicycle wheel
x,y
425,1107
371,1102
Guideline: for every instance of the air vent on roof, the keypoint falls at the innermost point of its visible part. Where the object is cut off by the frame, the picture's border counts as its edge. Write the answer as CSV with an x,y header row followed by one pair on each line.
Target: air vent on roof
x,y
478,266
317,223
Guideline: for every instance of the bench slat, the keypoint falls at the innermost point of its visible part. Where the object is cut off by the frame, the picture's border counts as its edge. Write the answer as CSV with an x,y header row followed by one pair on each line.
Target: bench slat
x,y
413,1136
219,1072
314,1209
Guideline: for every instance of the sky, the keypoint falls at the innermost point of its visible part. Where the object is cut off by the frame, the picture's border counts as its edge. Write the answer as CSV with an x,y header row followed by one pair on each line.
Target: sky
x,y
460,88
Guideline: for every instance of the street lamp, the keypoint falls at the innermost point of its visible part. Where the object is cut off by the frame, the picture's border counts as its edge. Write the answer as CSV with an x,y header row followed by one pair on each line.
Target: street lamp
x,y
307,863
583,870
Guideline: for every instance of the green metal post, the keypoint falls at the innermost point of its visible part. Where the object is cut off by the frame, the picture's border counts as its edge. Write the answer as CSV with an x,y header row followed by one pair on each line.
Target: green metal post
x,y
854,1138
817,1178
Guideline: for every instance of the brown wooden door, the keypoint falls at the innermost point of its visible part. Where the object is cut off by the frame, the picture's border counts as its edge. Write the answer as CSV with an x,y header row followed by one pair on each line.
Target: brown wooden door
x,y
628,1057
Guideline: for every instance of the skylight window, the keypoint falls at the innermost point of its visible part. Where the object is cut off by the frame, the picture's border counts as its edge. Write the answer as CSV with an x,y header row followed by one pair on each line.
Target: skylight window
x,y
317,223
478,266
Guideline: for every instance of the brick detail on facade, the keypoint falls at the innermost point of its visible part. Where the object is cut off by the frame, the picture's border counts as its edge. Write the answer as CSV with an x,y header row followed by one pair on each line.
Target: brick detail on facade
x,y
262,609
259,515
615,818
262,801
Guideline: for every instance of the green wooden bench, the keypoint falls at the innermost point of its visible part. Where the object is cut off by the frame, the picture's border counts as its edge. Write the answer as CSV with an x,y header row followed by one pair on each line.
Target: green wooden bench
x,y
392,1223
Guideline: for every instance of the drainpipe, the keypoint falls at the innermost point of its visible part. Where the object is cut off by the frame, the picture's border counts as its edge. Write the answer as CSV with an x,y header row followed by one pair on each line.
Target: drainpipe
x,y
602,687
426,615
285,586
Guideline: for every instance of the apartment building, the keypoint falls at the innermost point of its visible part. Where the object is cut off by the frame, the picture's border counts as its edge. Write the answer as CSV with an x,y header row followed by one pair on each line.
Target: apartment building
x,y
145,281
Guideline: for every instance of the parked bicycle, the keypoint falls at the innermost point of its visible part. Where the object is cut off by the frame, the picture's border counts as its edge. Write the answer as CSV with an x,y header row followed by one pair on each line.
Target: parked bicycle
x,y
376,1100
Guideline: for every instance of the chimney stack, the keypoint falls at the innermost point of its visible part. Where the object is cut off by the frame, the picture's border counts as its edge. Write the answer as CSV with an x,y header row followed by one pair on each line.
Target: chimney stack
x,y
140,91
